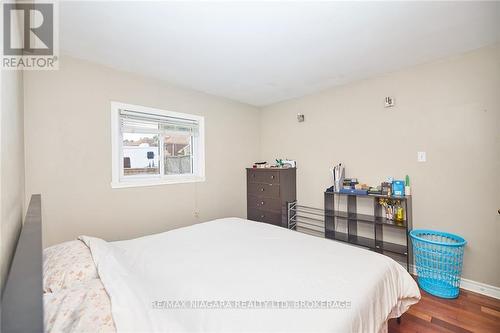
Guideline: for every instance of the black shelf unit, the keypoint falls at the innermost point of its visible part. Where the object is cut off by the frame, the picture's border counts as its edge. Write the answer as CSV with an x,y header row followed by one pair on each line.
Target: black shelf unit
x,y
351,218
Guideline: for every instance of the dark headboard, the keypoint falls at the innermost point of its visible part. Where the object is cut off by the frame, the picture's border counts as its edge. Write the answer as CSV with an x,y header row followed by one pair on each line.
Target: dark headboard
x,y
22,300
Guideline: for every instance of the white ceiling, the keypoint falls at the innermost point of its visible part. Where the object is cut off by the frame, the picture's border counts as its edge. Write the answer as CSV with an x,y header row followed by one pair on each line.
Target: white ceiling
x,y
264,52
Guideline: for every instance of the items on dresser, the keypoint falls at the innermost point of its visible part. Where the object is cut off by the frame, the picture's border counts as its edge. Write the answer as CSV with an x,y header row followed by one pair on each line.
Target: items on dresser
x,y
351,185
375,190
338,173
268,191
344,185
386,188
407,185
260,165
352,191
398,187
361,187
393,208
349,182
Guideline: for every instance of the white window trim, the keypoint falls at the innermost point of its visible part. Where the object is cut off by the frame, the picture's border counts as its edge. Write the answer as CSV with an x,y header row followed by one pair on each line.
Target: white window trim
x,y
117,181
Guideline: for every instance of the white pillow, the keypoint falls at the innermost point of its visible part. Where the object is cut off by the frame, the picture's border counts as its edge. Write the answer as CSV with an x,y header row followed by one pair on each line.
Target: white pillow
x,y
85,307
66,264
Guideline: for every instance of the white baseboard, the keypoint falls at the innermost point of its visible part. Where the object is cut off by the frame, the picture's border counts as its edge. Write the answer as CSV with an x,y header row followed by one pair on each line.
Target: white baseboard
x,y
474,286
480,288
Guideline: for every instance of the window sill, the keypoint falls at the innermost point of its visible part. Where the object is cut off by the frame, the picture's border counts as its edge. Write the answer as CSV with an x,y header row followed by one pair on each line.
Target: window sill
x,y
155,182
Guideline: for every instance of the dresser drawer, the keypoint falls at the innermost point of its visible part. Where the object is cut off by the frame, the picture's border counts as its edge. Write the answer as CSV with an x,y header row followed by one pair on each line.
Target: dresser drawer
x,y
267,176
263,216
268,204
264,190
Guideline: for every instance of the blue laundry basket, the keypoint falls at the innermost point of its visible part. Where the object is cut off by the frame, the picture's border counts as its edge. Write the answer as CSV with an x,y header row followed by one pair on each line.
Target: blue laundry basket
x,y
438,258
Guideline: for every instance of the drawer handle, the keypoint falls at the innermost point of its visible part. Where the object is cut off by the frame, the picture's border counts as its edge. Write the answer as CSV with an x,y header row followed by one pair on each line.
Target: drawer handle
x,y
272,176
262,189
262,216
262,203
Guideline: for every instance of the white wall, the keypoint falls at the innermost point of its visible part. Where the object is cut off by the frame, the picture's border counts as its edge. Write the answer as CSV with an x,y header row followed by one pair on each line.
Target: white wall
x,y
450,109
68,154
11,165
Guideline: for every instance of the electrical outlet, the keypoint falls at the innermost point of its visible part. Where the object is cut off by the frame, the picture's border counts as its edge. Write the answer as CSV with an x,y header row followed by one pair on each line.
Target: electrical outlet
x,y
421,156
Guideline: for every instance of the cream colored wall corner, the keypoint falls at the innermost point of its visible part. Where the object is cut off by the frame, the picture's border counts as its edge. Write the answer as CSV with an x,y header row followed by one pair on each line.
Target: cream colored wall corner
x,y
68,154
11,165
450,109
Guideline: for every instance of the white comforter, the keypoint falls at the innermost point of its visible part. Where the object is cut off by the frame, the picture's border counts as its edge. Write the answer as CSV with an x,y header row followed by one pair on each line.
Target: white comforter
x,y
229,261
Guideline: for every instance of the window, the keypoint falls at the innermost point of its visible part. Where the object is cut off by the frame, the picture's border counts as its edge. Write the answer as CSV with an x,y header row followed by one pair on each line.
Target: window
x,y
153,147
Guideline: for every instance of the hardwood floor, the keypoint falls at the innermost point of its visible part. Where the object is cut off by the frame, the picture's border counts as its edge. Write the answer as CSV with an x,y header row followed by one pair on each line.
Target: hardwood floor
x,y
470,312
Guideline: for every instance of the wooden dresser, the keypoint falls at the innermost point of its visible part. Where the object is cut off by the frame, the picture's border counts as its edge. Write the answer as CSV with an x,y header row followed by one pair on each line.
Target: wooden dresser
x,y
268,191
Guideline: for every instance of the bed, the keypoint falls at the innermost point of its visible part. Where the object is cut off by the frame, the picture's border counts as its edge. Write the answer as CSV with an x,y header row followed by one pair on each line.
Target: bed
x,y
226,275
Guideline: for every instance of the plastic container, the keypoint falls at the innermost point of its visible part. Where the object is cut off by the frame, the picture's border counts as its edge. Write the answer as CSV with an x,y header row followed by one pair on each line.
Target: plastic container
x,y
438,259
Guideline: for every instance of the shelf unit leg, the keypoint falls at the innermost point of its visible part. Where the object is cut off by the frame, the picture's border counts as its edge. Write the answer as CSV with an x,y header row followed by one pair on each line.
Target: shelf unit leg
x,y
409,227
352,224
378,228
329,216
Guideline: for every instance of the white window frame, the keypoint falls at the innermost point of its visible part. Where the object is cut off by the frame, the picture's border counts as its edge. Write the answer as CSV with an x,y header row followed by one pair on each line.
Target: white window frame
x,y
118,180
